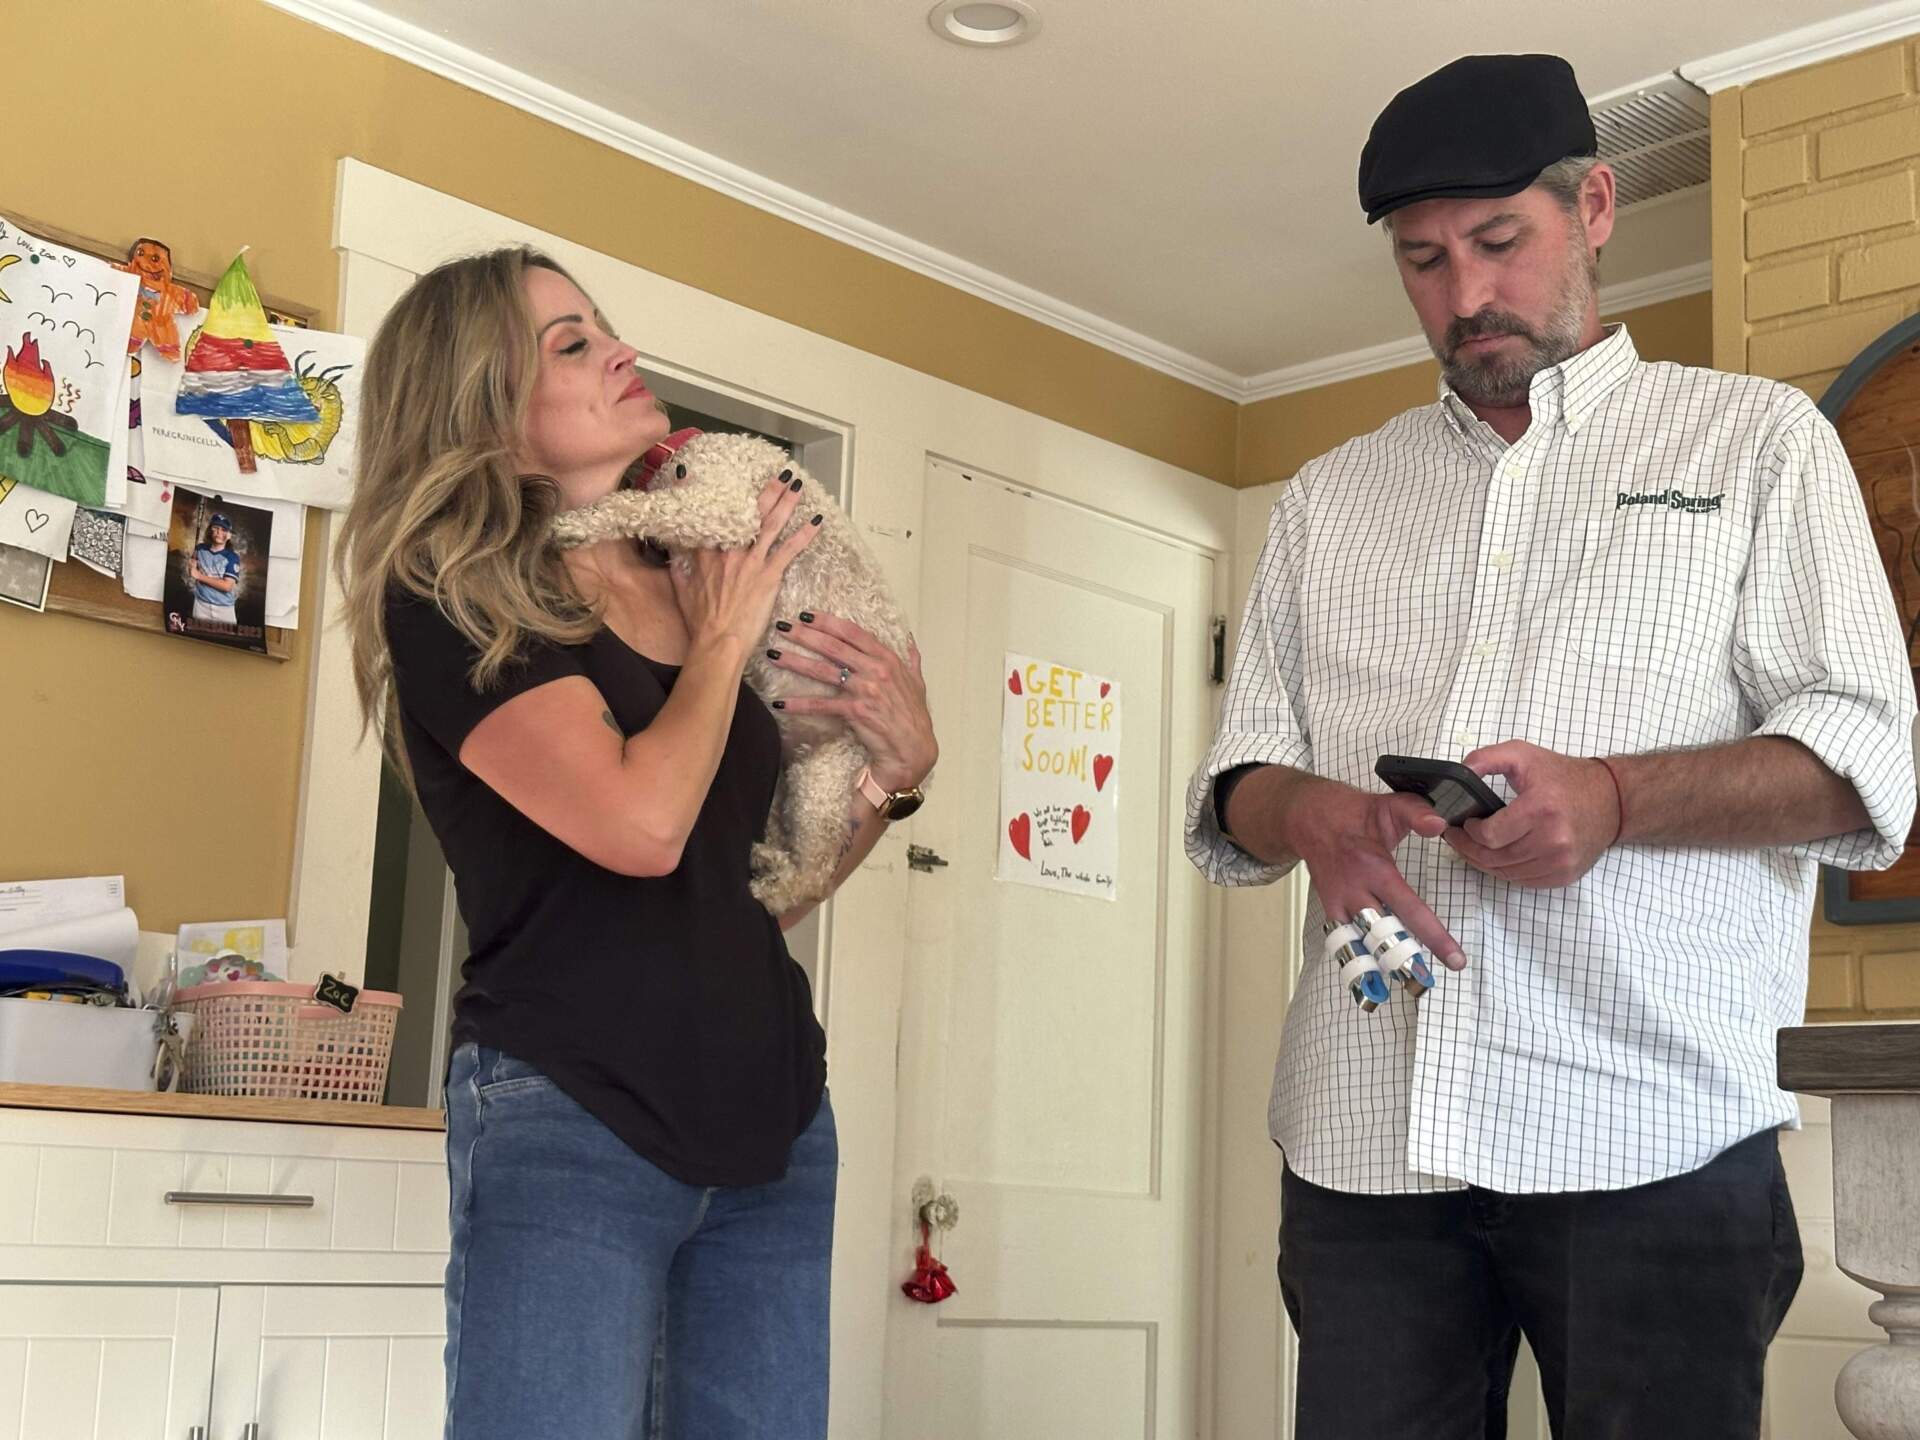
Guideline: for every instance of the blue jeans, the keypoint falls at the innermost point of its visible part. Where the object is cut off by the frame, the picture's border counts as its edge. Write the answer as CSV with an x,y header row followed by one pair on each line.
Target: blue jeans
x,y
590,1294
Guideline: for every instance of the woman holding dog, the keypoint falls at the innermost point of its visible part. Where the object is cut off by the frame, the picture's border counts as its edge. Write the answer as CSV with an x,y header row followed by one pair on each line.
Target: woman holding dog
x,y
641,1152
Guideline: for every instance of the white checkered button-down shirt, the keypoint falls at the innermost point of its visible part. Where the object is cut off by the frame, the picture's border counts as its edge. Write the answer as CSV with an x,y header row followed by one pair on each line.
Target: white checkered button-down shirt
x,y
1668,558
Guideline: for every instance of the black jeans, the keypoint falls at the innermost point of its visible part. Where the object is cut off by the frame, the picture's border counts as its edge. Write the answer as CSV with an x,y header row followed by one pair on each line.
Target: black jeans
x,y
1649,1310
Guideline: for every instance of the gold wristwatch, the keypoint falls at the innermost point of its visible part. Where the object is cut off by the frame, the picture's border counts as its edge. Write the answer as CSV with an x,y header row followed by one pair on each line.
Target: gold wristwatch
x,y
892,804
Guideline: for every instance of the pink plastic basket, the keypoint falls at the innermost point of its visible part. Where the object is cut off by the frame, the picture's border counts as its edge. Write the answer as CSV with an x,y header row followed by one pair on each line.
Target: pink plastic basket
x,y
267,1038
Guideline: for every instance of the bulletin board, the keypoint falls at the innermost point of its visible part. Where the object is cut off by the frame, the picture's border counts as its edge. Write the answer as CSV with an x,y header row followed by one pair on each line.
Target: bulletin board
x,y
73,589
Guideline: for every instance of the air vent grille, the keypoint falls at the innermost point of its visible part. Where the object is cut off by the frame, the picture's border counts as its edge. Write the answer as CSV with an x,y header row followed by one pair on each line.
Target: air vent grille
x,y
1655,138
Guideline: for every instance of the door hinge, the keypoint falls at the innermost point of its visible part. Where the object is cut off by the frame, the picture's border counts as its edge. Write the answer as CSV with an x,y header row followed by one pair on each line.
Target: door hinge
x,y
1217,667
919,857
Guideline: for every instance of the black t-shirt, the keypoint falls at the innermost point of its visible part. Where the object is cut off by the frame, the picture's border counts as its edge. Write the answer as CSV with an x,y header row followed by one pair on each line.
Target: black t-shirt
x,y
667,1006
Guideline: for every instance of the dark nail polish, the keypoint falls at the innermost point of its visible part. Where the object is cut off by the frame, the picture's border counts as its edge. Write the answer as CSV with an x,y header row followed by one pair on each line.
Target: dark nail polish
x,y
773,654
806,617
816,519
679,472
786,474
783,626
795,487
779,704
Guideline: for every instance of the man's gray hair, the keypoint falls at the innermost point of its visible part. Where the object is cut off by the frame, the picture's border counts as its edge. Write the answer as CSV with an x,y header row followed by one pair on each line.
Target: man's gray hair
x,y
1563,179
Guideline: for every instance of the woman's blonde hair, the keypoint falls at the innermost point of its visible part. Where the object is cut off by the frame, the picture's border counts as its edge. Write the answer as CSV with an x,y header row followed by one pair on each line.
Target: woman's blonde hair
x,y
440,510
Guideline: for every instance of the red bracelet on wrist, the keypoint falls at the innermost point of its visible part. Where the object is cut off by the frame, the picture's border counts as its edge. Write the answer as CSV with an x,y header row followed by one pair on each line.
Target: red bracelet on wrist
x,y
1619,799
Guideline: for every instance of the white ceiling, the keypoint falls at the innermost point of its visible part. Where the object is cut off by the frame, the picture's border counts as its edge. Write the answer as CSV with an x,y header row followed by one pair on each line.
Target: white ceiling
x,y
1176,176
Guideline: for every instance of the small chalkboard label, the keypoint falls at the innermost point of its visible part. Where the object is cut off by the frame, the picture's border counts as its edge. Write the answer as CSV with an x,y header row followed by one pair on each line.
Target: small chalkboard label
x,y
334,991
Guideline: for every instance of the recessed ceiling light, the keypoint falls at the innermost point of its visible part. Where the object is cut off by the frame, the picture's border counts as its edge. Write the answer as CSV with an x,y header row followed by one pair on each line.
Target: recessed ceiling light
x,y
984,22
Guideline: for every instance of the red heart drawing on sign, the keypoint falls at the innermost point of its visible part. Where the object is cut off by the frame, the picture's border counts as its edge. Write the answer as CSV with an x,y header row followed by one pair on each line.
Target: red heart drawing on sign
x,y
1020,832
1082,817
1013,681
1104,687
1102,768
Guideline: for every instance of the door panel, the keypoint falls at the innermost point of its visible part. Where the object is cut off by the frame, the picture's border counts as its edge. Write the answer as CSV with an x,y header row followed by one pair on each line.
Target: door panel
x,y
1051,1056
1047,1380
1077,1016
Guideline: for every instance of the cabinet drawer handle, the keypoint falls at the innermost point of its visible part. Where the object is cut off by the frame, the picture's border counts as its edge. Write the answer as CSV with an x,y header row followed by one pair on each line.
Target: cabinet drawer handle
x,y
221,1197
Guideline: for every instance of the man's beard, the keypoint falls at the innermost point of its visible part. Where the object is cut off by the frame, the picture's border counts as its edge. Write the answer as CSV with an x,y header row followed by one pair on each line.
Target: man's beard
x,y
1500,381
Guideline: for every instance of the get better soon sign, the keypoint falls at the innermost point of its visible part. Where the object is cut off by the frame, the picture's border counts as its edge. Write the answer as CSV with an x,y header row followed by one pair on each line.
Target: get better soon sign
x,y
1059,778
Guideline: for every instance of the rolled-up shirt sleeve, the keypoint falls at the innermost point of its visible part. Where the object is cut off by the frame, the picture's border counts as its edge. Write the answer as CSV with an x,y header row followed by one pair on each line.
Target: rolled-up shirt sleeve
x,y
1260,712
1818,648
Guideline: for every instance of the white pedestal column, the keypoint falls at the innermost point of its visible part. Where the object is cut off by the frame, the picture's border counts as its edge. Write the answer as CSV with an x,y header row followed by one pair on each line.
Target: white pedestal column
x,y
1876,1195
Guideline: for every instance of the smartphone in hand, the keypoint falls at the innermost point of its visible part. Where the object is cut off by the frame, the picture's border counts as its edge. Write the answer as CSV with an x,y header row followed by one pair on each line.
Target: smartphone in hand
x,y
1450,787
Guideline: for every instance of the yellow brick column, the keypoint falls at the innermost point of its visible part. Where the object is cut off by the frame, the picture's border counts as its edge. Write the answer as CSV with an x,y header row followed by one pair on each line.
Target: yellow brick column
x,y
1828,210
1816,251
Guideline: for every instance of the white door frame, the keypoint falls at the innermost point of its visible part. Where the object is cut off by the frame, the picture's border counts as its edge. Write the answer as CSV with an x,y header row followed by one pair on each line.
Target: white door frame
x,y
894,418
328,905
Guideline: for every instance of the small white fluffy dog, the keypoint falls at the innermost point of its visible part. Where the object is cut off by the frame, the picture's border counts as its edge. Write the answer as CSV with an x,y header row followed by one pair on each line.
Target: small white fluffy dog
x,y
706,493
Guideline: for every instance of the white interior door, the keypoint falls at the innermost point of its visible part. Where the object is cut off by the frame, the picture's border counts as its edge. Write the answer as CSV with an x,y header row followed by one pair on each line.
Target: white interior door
x,y
105,1362
1051,1046
331,1362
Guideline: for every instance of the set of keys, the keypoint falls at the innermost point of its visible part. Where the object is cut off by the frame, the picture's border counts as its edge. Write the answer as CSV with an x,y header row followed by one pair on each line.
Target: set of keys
x,y
1373,948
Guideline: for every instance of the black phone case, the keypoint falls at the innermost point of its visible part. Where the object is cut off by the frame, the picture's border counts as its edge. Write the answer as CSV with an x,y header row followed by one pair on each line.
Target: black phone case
x,y
1450,787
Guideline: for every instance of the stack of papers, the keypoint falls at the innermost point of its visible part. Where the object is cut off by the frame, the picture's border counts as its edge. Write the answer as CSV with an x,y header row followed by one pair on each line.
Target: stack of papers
x,y
82,917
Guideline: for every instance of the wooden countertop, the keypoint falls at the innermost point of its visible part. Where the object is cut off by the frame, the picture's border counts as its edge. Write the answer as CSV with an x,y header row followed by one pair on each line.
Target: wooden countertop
x,y
1850,1059
220,1107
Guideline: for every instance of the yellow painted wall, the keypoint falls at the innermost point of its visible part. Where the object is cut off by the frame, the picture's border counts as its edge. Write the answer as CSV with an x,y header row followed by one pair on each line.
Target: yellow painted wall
x,y
1280,435
1816,250
177,764
139,742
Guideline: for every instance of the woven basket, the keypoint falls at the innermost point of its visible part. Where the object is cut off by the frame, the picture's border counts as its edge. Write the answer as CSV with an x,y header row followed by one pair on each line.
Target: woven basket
x,y
266,1038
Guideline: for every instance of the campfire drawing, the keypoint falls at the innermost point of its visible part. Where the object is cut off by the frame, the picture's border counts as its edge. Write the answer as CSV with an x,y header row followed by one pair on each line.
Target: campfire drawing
x,y
26,408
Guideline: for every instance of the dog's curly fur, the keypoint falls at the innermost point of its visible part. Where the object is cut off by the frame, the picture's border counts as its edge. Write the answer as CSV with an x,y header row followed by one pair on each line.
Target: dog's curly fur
x,y
707,495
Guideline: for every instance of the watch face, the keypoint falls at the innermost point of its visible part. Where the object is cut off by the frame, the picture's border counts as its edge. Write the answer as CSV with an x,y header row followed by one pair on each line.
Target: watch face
x,y
902,805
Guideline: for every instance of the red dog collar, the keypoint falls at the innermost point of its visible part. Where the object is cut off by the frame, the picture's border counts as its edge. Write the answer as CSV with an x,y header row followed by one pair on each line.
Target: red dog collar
x,y
651,462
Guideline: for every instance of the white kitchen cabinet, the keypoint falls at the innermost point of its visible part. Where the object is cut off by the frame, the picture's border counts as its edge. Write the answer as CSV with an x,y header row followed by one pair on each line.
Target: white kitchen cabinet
x,y
299,1362
105,1362
136,1300
330,1362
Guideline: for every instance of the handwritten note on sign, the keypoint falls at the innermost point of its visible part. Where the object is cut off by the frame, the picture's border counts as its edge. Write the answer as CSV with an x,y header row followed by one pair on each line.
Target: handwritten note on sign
x,y
1059,778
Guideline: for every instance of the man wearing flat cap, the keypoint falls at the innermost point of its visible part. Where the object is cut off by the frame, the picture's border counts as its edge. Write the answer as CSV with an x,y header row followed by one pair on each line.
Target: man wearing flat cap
x,y
1644,601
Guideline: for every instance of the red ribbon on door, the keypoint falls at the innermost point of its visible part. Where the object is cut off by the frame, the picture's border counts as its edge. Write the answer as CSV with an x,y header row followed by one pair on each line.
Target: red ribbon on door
x,y
929,1283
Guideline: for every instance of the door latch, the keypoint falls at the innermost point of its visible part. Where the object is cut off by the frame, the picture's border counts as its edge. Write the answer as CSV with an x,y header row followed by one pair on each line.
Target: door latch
x,y
932,1211
936,1211
919,857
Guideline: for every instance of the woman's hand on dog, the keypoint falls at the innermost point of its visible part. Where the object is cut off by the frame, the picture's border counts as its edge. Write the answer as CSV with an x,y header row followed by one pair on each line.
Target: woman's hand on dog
x,y
728,595
884,699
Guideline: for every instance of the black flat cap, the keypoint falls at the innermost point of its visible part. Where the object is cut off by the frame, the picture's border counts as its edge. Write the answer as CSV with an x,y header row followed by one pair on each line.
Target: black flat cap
x,y
1484,126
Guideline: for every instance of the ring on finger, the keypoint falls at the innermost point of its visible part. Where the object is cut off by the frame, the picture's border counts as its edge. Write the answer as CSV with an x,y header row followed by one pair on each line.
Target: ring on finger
x,y
846,674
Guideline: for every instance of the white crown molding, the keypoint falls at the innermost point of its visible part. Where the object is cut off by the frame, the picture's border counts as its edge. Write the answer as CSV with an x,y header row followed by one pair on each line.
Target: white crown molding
x,y
363,23
1331,369
1310,374
1809,45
